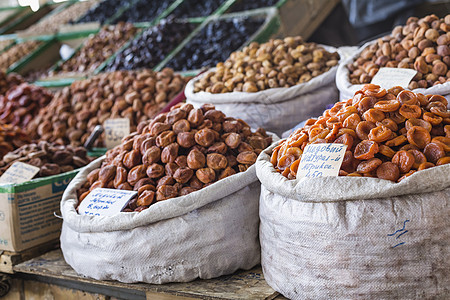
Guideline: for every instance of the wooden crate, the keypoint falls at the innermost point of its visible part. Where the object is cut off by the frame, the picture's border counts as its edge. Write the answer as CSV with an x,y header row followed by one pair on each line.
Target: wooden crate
x,y
303,17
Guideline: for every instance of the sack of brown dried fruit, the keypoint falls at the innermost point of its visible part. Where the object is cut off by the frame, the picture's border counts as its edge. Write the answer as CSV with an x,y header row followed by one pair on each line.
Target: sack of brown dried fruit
x,y
196,212
366,235
272,85
421,45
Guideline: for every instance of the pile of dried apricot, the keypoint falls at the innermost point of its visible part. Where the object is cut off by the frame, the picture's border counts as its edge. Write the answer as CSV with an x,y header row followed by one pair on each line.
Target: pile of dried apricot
x,y
390,134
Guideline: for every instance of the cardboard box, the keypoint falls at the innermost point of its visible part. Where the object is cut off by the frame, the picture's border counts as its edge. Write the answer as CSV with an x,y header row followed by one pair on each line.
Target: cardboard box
x,y
27,211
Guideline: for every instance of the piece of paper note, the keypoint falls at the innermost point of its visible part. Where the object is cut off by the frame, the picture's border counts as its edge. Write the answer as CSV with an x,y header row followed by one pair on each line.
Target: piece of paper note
x,y
19,172
115,130
105,202
390,77
321,160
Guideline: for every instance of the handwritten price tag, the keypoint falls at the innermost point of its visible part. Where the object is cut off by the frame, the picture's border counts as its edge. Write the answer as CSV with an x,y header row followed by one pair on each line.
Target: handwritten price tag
x,y
115,130
19,172
321,160
105,202
390,77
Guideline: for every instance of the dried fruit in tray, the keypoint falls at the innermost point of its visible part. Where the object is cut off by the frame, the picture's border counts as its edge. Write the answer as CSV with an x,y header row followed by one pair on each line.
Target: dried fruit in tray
x,y
52,159
22,103
75,111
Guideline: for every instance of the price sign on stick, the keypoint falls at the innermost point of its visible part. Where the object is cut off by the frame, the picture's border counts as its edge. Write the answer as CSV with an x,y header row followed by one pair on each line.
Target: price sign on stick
x,y
321,160
105,202
390,77
19,172
115,130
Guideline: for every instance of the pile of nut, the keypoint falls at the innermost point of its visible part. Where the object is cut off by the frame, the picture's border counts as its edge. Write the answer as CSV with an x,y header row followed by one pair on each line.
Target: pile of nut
x,y
52,23
177,153
52,159
389,134
75,111
22,103
8,81
11,137
16,53
150,48
277,63
99,47
422,44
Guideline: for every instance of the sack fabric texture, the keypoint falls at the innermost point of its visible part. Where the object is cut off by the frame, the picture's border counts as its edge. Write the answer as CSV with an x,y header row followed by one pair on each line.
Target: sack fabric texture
x,y
355,237
205,234
277,109
347,90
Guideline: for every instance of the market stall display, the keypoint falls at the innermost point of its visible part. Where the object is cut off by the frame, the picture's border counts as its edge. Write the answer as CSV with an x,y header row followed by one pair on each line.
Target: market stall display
x,y
20,104
389,134
384,219
52,159
143,11
52,23
273,84
189,166
16,53
76,110
97,49
152,46
11,137
421,45
214,43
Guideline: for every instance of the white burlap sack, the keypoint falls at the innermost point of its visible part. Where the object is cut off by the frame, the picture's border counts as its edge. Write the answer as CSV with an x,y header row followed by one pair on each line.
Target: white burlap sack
x,y
347,90
356,238
205,234
275,110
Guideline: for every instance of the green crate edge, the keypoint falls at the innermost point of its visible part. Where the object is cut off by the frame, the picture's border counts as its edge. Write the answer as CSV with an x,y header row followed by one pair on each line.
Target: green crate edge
x,y
26,186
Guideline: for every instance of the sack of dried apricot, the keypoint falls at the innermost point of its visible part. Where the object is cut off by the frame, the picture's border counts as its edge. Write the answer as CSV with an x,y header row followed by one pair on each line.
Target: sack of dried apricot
x,y
421,45
270,85
382,231
196,210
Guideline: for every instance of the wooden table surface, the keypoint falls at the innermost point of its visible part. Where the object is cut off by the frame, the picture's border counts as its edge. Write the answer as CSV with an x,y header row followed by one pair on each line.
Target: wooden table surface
x,y
53,270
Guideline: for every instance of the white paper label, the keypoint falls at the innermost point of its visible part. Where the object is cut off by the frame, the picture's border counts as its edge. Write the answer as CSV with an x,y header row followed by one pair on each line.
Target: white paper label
x,y
105,202
390,77
19,172
321,160
115,130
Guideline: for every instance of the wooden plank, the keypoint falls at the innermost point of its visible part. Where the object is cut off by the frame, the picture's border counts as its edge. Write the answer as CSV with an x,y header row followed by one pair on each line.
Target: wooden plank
x,y
303,17
241,285
9,259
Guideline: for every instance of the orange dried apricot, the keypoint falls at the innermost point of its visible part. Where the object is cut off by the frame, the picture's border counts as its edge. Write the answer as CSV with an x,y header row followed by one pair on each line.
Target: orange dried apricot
x,y
434,152
380,134
368,166
407,97
387,105
410,111
432,118
419,158
425,165
366,149
418,136
363,129
388,171
443,161
404,160
397,141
